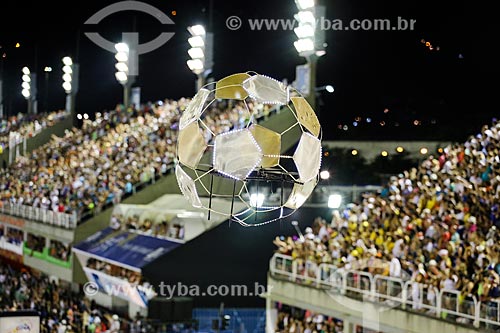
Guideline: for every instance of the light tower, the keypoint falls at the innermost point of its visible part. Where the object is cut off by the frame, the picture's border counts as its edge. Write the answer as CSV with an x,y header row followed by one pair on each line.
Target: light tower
x,y
29,89
47,71
126,64
201,53
310,43
70,84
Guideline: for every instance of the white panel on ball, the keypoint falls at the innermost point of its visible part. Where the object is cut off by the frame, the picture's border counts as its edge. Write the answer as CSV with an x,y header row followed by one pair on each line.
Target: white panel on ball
x,y
236,154
194,109
266,90
187,186
307,157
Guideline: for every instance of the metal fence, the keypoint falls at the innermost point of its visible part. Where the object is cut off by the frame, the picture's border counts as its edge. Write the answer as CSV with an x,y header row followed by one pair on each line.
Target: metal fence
x,y
401,293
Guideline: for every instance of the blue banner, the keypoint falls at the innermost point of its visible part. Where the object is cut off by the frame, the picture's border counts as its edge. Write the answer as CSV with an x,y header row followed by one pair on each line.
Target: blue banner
x,y
125,247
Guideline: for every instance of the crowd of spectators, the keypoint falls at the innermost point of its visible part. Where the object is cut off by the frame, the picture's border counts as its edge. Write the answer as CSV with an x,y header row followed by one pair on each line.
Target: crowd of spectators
x,y
13,236
436,224
82,172
59,250
294,320
147,227
61,310
27,126
102,162
131,276
35,243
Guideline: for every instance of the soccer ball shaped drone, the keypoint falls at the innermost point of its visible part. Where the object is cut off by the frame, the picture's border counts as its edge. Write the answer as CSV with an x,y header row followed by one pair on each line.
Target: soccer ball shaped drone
x,y
248,160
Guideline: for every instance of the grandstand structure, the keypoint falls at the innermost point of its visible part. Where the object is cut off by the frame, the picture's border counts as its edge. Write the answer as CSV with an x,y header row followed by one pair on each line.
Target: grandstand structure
x,y
436,222
44,228
420,255
115,257
21,134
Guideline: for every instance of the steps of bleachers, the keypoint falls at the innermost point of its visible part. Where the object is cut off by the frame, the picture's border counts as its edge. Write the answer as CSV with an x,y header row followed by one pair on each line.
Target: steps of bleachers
x,y
41,138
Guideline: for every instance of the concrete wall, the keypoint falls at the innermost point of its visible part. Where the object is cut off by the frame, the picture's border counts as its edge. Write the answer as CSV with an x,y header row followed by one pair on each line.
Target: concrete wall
x,y
49,268
49,231
354,312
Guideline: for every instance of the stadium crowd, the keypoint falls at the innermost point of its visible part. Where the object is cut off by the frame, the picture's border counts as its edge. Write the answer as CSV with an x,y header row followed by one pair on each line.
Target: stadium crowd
x,y
147,226
132,277
90,168
293,320
59,250
61,310
12,235
436,224
27,126
56,249
35,243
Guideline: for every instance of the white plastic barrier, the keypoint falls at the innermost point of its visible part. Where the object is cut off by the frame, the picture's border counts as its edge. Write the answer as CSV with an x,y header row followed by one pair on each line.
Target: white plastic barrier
x,y
489,313
68,221
420,297
408,295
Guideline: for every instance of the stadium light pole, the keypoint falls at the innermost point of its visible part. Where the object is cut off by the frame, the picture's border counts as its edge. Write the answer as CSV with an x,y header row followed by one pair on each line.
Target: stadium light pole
x,y
1,84
329,89
29,89
47,70
201,53
70,85
311,41
126,65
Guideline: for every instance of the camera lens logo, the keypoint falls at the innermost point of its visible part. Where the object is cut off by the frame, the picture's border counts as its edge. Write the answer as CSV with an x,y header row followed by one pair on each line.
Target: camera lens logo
x,y
132,38
90,288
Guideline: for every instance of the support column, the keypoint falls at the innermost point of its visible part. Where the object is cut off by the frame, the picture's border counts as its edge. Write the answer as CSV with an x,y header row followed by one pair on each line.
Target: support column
x,y
269,318
312,60
126,95
348,327
30,105
200,82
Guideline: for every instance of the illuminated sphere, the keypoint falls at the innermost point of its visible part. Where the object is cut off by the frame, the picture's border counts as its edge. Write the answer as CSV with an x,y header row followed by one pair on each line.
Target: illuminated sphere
x,y
245,163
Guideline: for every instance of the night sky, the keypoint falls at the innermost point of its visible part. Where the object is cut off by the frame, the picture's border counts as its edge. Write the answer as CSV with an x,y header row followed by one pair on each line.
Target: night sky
x,y
448,91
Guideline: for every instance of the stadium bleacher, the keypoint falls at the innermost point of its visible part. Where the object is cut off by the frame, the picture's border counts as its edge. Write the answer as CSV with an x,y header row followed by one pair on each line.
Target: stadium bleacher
x,y
27,126
106,160
434,228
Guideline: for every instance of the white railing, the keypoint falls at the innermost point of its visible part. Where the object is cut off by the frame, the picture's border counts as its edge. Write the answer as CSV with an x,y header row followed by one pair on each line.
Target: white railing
x,y
405,294
63,220
420,297
490,313
323,275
